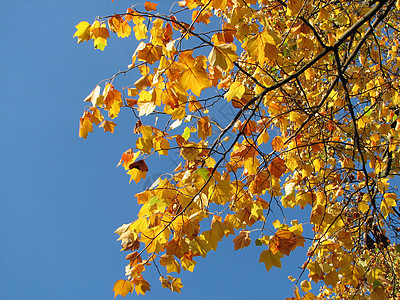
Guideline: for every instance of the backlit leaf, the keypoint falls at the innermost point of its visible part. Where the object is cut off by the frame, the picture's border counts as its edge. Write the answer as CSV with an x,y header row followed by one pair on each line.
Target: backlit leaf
x,y
270,259
123,287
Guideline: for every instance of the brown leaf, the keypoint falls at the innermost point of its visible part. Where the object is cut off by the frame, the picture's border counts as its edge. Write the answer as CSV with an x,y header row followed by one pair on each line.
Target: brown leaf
x,y
242,240
140,165
283,241
277,167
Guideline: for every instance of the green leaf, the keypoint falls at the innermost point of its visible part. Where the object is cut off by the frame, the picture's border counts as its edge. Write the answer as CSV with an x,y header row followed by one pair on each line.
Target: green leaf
x,y
397,248
203,173
368,111
258,242
376,284
154,200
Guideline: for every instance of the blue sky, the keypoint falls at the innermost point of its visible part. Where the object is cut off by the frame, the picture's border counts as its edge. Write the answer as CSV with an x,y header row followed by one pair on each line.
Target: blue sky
x,y
61,196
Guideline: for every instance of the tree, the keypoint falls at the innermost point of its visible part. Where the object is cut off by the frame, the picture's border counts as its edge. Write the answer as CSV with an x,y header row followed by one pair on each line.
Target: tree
x,y
314,86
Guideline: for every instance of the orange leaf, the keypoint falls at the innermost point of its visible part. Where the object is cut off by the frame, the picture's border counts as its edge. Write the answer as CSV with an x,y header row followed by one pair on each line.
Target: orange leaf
x,y
99,33
108,126
277,143
283,241
149,6
122,287
120,26
277,167
85,125
149,52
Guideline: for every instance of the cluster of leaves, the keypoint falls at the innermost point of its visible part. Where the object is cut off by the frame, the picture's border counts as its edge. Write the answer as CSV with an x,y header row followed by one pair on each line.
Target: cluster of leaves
x,y
315,90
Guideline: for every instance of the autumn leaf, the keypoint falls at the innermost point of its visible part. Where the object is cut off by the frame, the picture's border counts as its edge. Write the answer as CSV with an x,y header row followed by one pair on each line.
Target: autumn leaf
x,y
242,240
293,7
123,287
172,283
262,46
83,31
277,167
270,259
297,73
140,31
99,33
149,6
237,89
194,75
170,263
140,165
85,125
277,143
223,55
148,52
141,285
94,96
283,241
108,126
120,26
112,100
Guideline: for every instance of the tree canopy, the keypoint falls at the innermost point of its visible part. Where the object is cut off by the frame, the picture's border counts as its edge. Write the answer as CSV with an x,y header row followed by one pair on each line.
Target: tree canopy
x,y
314,90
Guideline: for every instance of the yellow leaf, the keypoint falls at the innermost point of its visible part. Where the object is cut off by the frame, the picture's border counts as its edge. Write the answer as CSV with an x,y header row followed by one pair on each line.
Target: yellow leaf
x,y
161,145
96,116
83,32
263,137
140,31
146,107
331,278
136,175
85,125
262,47
223,55
194,76
112,100
149,52
305,286
270,259
390,199
293,7
199,245
93,96
120,26
99,33
251,165
108,126
188,264
170,263
122,287
141,285
237,89
217,4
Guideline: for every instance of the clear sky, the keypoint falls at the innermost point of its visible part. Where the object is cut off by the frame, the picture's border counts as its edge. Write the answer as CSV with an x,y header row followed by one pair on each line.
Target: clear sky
x,y
61,196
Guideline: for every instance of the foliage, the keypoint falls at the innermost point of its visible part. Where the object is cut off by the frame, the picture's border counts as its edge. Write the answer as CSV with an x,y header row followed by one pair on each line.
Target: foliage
x,y
314,86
